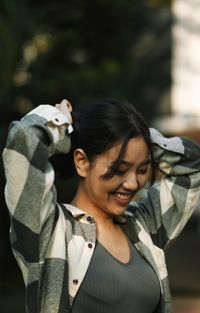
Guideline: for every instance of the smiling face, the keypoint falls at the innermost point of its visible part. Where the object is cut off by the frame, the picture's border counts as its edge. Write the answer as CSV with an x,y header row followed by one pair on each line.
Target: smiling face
x,y
112,196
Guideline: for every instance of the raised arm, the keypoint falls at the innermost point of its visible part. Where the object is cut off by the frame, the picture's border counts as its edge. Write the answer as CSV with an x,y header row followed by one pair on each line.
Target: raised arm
x,y
30,193
170,203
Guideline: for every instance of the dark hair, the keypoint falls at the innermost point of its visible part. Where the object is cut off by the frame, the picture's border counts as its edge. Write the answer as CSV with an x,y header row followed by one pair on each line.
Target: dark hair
x,y
100,125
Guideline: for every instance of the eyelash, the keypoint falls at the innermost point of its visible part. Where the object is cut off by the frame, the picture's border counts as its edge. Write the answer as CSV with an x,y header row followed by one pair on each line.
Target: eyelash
x,y
121,173
142,171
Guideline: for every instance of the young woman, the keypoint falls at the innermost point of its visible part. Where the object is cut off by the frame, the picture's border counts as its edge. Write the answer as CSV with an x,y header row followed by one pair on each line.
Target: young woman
x,y
102,253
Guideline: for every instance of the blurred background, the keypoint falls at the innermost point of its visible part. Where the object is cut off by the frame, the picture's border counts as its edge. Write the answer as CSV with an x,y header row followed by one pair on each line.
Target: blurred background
x,y
145,51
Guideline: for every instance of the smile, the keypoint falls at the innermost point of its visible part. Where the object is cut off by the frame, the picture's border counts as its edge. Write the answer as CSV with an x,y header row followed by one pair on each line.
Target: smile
x,y
123,196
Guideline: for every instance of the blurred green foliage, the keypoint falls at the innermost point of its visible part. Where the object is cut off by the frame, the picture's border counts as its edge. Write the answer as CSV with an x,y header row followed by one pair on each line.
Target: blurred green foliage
x,y
83,50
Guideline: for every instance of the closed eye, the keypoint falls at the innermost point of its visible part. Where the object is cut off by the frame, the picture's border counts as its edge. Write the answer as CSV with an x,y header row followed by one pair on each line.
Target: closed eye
x,y
120,173
142,171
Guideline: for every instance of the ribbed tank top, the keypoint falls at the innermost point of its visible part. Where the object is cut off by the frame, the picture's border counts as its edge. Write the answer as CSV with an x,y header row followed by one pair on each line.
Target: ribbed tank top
x,y
111,286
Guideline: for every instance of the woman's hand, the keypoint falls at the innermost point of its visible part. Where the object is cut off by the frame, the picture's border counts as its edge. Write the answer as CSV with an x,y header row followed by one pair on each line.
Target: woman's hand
x,y
66,108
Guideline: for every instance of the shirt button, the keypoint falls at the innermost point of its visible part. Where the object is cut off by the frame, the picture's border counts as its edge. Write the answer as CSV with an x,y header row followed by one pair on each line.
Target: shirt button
x,y
56,119
90,245
89,218
165,145
75,281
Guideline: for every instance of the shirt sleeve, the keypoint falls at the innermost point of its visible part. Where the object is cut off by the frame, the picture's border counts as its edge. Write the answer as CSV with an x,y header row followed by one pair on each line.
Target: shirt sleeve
x,y
170,203
30,193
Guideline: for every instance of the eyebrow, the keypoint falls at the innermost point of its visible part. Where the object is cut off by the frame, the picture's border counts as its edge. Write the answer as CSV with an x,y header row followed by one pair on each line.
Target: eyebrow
x,y
146,162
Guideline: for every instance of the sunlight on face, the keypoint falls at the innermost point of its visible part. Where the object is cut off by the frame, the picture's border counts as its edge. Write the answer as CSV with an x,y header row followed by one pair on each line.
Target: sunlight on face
x,y
113,195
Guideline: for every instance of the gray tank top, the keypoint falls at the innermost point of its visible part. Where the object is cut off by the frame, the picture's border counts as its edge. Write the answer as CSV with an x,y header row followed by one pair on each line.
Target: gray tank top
x,y
111,286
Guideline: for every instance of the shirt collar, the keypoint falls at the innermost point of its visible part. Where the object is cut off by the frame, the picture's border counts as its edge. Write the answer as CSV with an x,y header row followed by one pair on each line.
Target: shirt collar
x,y
78,214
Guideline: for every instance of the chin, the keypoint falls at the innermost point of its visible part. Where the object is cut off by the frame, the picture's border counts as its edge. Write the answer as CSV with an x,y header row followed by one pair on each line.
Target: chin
x,y
119,210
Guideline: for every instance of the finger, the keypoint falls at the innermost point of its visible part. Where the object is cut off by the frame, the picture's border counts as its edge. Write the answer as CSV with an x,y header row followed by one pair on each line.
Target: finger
x,y
67,103
69,106
63,102
65,107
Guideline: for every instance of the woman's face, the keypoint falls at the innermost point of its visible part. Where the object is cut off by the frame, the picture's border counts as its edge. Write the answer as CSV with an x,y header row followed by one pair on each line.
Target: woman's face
x,y
112,196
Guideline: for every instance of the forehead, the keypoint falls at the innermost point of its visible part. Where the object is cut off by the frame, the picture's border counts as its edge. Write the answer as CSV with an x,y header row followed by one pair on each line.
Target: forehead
x,y
136,151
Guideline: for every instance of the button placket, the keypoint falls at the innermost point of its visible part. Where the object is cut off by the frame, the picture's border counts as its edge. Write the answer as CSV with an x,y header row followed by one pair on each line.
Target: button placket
x,y
90,245
89,218
75,281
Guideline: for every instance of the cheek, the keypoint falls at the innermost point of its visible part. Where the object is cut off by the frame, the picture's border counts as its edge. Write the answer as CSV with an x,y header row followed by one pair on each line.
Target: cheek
x,y
143,182
144,179
107,186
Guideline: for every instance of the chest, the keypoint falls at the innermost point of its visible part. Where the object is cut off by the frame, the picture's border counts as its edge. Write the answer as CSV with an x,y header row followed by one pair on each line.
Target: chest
x,y
113,286
81,241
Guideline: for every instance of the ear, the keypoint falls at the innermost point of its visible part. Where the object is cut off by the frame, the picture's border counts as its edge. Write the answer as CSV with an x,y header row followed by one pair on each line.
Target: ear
x,y
81,162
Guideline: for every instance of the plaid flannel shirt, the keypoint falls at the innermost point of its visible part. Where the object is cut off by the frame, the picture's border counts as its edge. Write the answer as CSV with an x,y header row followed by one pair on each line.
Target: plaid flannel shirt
x,y
53,243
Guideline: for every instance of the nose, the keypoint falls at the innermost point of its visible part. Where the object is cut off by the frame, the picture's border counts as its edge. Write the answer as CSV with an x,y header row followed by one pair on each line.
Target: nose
x,y
131,183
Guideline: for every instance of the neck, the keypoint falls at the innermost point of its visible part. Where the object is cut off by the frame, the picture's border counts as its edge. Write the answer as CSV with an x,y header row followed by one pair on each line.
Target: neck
x,y
82,202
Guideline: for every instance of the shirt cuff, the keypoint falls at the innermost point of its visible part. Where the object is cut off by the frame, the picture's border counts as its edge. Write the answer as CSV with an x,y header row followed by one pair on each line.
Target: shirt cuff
x,y
173,144
53,115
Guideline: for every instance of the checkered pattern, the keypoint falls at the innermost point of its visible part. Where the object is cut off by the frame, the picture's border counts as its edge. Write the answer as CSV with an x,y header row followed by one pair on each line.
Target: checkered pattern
x,y
53,243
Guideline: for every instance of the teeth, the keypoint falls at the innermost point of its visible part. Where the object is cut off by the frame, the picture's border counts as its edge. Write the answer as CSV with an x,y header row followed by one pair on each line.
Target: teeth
x,y
122,196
